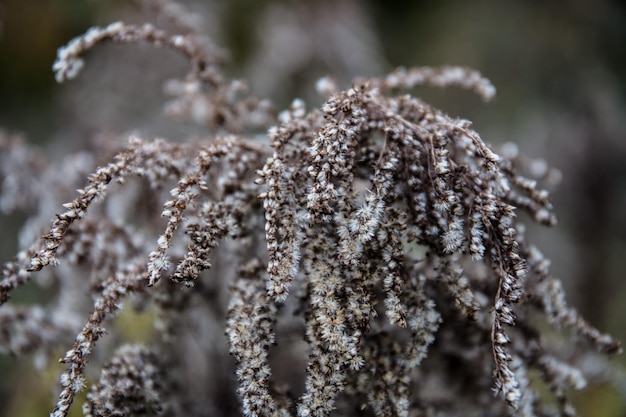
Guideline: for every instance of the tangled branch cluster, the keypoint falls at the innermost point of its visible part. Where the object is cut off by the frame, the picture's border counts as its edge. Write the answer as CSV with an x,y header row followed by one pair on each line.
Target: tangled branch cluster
x,y
377,228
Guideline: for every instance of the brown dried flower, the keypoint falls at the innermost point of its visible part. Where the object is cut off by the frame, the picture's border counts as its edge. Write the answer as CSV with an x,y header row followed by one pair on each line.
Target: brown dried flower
x,y
374,203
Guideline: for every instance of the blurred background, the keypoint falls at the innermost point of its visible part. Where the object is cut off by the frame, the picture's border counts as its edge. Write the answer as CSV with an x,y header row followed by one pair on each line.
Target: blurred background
x,y
559,68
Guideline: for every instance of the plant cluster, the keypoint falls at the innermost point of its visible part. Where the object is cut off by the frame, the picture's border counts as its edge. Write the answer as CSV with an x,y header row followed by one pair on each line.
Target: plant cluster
x,y
374,243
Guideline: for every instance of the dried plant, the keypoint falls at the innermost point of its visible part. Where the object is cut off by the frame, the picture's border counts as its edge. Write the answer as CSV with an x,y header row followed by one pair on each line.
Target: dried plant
x,y
378,229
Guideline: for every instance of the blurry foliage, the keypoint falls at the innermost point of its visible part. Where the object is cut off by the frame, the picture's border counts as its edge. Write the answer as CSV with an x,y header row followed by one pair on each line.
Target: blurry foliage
x,y
30,32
